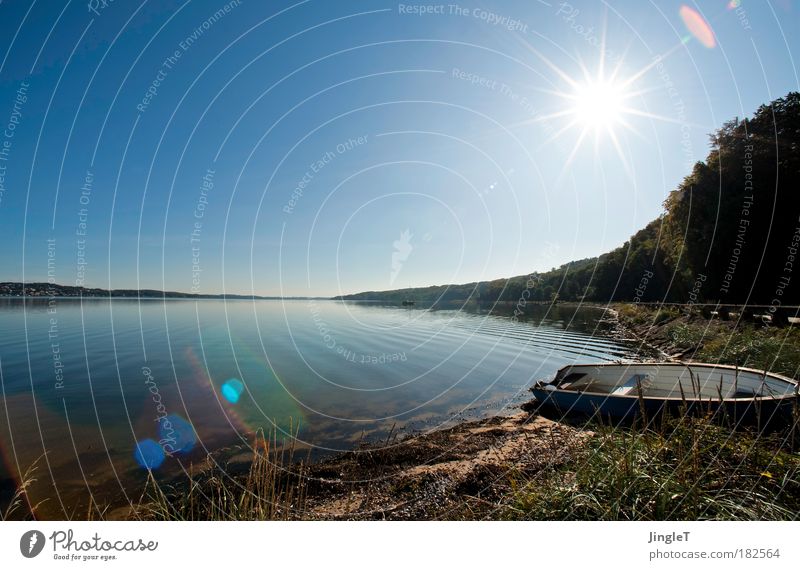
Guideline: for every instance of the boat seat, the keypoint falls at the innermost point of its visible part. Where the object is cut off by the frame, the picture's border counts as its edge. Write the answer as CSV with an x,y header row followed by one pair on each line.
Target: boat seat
x,y
576,381
571,378
582,385
630,386
571,381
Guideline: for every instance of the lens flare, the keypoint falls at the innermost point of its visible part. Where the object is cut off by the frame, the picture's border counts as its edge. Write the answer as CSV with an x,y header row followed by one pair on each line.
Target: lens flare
x,y
177,433
149,454
698,26
232,390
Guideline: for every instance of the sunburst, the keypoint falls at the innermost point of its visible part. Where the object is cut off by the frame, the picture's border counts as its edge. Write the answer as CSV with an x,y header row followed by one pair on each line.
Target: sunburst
x,y
602,102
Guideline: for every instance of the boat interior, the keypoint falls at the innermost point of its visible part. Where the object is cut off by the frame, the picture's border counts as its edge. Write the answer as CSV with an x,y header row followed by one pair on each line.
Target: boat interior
x,y
672,380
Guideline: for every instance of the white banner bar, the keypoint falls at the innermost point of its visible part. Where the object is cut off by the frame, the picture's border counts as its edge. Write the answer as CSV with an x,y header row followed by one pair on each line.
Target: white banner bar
x,y
383,545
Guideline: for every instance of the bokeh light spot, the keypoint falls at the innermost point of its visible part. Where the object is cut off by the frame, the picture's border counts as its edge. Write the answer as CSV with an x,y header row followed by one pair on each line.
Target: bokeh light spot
x,y
177,434
232,390
149,454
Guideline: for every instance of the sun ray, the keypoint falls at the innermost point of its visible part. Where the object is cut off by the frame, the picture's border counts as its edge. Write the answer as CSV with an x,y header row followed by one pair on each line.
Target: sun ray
x,y
557,134
615,141
558,71
571,156
601,67
640,113
636,76
630,127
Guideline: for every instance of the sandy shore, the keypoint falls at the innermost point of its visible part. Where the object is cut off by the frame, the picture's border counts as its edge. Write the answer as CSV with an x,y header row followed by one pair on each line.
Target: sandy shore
x,y
442,474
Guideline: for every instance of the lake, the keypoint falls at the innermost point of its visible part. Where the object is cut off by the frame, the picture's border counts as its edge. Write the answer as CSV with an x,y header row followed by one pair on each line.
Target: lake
x,y
96,392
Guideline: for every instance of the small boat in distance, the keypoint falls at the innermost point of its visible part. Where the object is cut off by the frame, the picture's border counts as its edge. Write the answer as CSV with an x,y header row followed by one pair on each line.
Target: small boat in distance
x,y
408,303
625,391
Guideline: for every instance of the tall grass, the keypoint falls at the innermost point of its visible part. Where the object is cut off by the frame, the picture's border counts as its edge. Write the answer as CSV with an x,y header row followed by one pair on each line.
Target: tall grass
x,y
687,469
18,506
743,343
274,488
687,336
768,348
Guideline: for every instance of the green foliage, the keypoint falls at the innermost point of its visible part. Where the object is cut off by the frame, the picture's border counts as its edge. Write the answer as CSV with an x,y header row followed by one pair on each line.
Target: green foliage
x,y
738,205
685,335
635,314
664,314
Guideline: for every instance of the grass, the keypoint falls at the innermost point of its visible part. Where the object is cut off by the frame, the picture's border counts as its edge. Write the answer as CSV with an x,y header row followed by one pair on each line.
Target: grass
x,y
635,314
744,343
768,348
18,504
686,336
274,488
688,469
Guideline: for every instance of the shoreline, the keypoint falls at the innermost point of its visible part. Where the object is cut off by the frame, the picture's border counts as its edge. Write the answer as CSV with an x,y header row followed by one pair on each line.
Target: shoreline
x,y
476,468
440,475
436,475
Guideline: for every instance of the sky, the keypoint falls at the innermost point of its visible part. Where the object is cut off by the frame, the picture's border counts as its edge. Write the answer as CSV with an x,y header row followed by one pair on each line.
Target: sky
x,y
322,148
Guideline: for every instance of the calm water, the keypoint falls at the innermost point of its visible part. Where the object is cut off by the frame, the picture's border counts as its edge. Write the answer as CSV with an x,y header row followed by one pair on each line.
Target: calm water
x,y
105,386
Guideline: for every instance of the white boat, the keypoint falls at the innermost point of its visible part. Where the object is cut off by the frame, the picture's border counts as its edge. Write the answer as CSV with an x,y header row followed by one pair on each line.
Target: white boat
x,y
624,391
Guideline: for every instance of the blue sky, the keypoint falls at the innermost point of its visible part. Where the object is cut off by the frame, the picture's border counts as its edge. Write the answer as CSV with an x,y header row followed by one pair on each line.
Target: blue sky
x,y
319,148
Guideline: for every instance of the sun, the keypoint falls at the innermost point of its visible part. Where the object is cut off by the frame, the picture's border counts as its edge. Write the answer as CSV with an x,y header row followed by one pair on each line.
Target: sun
x,y
605,102
598,104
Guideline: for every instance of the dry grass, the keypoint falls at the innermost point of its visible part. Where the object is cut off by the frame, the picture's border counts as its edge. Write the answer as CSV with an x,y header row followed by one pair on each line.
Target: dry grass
x,y
688,469
18,507
274,488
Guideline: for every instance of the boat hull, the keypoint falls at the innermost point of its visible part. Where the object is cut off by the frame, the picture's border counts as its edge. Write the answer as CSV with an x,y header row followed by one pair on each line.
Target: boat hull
x,y
761,412
627,391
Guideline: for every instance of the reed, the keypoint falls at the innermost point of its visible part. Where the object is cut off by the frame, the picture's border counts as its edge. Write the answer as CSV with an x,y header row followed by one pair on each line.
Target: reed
x,y
19,506
274,488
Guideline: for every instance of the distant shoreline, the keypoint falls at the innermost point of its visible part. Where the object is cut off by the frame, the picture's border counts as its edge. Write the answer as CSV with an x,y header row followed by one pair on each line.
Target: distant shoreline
x,y
42,290
164,298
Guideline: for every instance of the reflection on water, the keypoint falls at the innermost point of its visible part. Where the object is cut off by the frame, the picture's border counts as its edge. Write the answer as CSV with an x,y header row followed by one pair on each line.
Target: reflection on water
x,y
96,392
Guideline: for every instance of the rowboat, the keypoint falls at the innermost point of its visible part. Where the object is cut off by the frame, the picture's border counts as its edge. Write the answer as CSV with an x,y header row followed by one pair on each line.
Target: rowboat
x,y
628,390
